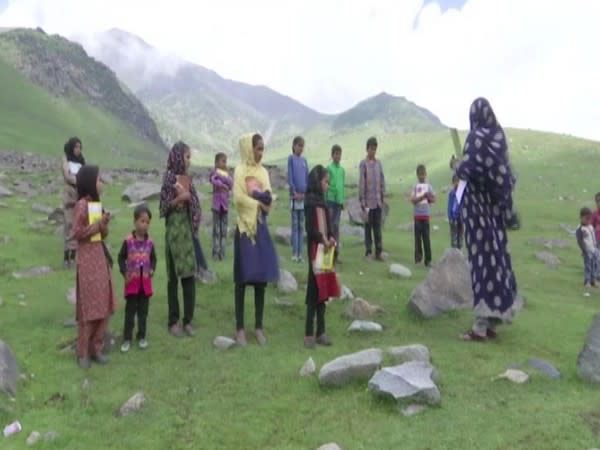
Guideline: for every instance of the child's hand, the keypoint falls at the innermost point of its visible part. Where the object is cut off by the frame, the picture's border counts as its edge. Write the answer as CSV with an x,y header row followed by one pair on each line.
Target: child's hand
x,y
184,197
151,273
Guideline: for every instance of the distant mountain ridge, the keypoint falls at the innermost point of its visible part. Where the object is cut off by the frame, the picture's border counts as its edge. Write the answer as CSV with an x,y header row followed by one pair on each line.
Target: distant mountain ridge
x,y
63,68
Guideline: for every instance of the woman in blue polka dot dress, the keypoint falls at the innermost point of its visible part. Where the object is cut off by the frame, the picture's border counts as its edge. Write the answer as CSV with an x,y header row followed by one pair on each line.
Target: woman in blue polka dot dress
x,y
485,207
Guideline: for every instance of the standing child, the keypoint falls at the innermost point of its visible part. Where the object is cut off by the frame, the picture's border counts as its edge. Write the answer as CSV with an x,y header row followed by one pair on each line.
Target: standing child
x,y
371,191
254,259
454,219
180,207
586,239
222,184
96,300
137,263
322,280
297,176
73,160
596,219
336,194
422,196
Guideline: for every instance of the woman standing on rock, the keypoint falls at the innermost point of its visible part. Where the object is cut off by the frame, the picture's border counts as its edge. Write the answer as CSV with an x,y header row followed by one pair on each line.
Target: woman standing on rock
x,y
486,205
73,160
254,261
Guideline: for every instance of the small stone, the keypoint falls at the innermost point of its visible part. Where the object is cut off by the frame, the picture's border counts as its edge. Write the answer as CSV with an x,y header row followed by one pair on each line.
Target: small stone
x,y
514,375
33,437
284,302
330,446
72,296
361,309
21,296
283,236
544,367
287,283
43,209
413,380
133,405
412,410
51,436
23,304
406,353
70,323
436,228
347,368
223,342
400,270
365,325
308,368
5,192
548,258
346,293
33,272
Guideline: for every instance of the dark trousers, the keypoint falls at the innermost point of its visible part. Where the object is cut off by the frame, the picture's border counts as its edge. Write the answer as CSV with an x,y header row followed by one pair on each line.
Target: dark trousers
x,y
259,305
422,241
188,286
314,308
335,213
457,231
136,305
373,226
219,234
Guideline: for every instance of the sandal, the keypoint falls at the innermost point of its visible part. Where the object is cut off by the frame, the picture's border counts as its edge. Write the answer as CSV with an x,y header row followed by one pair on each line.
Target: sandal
x,y
473,337
491,334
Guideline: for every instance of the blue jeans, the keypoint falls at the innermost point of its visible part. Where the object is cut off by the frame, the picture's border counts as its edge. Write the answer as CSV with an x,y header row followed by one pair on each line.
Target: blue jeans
x,y
590,267
297,232
335,214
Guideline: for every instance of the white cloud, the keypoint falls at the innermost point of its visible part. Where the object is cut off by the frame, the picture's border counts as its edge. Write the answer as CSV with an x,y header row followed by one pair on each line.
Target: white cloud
x,y
535,60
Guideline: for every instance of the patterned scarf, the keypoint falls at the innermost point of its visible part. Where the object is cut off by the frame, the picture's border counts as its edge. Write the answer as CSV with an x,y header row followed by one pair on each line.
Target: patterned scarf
x,y
486,151
168,193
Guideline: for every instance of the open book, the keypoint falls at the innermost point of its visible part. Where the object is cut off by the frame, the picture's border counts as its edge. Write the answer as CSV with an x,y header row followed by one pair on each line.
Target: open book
x,y
94,215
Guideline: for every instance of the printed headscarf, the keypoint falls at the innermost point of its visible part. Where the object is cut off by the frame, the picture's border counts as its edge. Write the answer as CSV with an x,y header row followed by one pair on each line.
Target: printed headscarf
x,y
70,151
176,166
485,160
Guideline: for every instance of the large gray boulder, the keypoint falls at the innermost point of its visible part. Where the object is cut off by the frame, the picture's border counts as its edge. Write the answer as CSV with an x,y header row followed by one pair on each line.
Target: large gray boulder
x,y
355,212
141,191
355,366
447,286
412,381
9,370
287,283
5,192
407,353
283,235
588,361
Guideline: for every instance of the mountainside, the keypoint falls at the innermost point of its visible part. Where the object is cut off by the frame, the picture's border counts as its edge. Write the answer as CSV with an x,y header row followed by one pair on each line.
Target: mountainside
x,y
194,103
63,68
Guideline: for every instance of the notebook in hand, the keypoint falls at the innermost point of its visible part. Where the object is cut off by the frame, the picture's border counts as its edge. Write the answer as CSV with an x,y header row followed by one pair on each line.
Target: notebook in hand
x,y
94,215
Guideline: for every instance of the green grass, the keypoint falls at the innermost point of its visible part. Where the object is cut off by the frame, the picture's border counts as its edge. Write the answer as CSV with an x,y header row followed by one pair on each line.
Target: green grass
x,y
34,120
253,398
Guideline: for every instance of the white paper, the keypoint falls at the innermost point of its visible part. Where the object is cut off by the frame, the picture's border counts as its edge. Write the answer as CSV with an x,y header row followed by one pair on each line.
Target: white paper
x,y
460,190
421,189
74,167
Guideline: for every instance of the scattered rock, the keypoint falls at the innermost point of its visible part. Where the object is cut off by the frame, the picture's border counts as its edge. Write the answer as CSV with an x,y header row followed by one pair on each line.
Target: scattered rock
x,y
5,192
544,367
283,235
355,212
287,283
413,409
361,309
70,323
514,375
352,230
51,436
348,368
330,446
400,270
435,228
308,368
3,205
133,405
346,293
72,296
110,342
447,286
207,276
223,342
588,361
365,325
33,437
284,302
57,216
567,229
550,259
9,370
141,191
43,209
33,272
550,244
413,381
406,353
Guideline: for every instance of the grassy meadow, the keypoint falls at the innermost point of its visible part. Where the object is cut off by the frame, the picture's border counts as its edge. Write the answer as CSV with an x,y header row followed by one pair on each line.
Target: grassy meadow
x,y
253,398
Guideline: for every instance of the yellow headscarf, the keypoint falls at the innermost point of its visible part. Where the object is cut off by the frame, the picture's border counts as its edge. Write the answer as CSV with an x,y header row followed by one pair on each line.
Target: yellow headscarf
x,y
248,209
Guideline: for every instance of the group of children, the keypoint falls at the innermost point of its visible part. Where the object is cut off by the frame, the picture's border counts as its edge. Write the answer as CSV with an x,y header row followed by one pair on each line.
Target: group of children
x,y
316,201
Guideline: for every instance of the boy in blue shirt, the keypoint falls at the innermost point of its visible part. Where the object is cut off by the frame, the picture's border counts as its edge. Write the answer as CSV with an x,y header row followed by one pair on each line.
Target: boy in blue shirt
x,y
456,225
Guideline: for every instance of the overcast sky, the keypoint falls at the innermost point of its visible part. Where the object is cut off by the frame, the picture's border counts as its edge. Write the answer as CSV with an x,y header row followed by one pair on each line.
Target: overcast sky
x,y
537,61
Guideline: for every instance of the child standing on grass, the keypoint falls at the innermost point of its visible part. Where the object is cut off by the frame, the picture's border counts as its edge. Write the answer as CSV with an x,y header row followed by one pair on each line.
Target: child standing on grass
x,y
222,184
336,194
322,280
371,192
422,196
297,177
586,239
73,160
454,219
255,261
96,300
137,263
596,219
180,207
